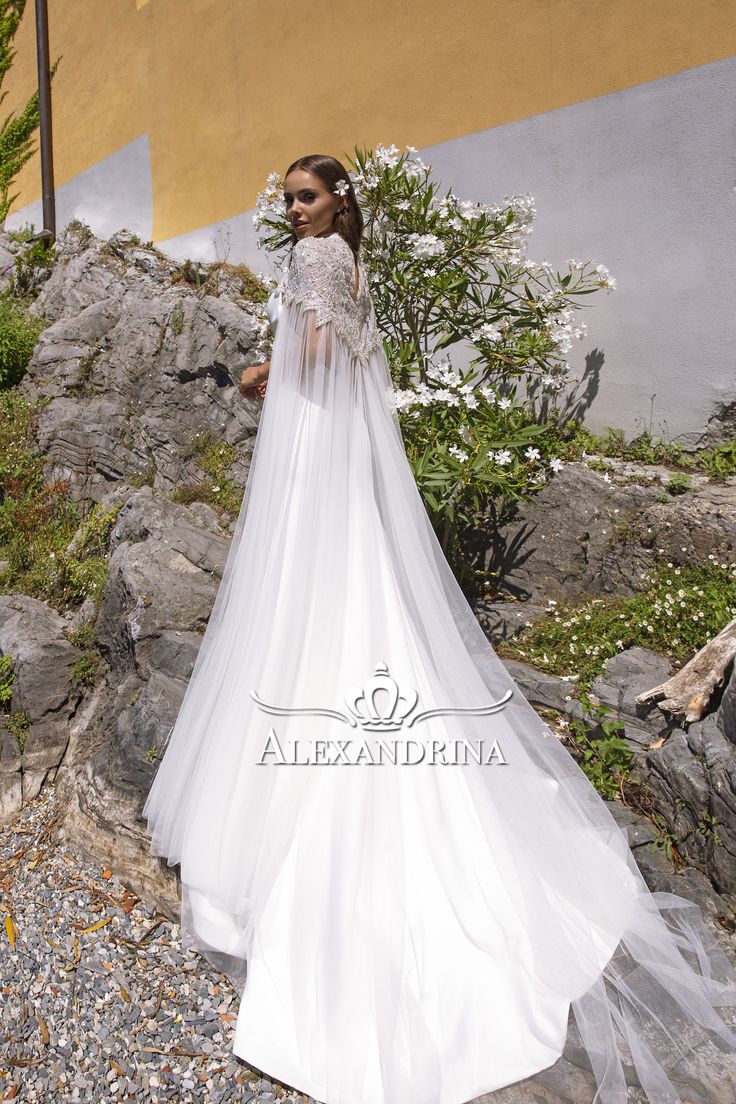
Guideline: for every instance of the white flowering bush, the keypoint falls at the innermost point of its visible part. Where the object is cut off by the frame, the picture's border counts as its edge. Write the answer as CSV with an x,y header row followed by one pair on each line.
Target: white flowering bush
x,y
447,273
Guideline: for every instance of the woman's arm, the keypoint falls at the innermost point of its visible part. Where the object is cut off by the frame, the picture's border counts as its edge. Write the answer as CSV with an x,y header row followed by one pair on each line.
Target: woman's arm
x,y
253,379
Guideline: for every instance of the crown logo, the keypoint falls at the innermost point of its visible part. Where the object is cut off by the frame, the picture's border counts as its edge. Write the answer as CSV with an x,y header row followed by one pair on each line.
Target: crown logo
x,y
394,706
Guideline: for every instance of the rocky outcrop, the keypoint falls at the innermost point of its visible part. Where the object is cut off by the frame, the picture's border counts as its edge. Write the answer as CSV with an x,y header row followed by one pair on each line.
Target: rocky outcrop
x,y
134,365
690,775
165,566
140,362
582,535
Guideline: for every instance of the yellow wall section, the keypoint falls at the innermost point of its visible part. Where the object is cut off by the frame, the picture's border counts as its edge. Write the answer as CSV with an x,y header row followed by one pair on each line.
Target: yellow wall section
x,y
228,90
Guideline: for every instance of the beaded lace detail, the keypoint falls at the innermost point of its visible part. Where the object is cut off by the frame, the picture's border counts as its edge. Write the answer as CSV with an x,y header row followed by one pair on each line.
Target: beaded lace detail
x,y
321,277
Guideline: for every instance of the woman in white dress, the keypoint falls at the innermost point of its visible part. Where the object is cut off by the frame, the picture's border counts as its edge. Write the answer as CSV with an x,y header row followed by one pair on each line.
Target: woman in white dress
x,y
380,840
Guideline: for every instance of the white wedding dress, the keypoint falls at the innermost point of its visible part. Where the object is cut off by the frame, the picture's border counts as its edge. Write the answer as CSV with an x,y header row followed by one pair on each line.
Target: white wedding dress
x,y
408,932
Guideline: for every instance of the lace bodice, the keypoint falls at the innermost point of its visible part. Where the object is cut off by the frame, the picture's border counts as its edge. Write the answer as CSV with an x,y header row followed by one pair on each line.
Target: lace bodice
x,y
321,276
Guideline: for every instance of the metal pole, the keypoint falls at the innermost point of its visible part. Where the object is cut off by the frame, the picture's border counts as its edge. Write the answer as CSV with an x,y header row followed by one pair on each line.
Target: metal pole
x,y
44,106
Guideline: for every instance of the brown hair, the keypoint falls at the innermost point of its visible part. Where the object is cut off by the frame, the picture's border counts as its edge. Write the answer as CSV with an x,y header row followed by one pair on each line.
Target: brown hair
x,y
328,169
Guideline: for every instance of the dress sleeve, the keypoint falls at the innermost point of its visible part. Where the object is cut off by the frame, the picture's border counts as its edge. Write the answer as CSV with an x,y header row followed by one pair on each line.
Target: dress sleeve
x,y
321,277
317,294
329,327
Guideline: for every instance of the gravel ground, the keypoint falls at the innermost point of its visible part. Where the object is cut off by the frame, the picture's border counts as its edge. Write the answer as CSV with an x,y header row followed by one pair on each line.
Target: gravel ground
x,y
99,1001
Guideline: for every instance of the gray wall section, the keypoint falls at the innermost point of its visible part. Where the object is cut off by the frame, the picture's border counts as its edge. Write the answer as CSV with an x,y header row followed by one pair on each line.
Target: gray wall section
x,y
114,193
643,181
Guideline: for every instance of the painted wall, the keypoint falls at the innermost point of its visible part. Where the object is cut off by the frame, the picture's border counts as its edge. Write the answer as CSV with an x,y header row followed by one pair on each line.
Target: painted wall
x,y
618,117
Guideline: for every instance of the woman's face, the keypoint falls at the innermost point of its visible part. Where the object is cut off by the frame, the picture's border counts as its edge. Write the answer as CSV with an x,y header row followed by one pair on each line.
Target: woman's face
x,y
310,205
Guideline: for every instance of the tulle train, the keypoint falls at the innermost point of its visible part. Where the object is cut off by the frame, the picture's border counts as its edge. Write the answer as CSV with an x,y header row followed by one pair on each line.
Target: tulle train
x,y
405,934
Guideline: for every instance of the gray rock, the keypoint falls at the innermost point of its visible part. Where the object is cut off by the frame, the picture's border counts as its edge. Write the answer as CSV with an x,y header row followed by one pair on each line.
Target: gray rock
x,y
726,716
565,541
503,618
690,778
11,788
680,786
43,689
163,577
135,363
539,687
581,535
627,674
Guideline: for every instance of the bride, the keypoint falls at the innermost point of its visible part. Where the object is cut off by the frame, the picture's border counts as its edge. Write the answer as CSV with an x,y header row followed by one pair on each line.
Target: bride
x,y
420,893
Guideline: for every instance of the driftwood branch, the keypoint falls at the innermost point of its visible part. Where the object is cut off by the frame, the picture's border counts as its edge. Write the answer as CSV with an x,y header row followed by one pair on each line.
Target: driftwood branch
x,y
686,694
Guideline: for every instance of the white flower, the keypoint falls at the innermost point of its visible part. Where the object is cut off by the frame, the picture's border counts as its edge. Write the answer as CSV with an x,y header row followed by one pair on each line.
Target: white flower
x,y
504,404
556,464
386,156
404,399
445,395
426,245
341,188
532,453
443,372
562,331
605,279
488,393
540,269
503,456
458,452
490,331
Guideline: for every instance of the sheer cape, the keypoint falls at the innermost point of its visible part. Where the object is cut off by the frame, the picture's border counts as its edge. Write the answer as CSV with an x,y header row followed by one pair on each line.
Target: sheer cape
x,y
405,934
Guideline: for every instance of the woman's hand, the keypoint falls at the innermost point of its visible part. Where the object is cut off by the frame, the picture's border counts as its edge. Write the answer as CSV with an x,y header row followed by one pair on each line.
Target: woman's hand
x,y
253,380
